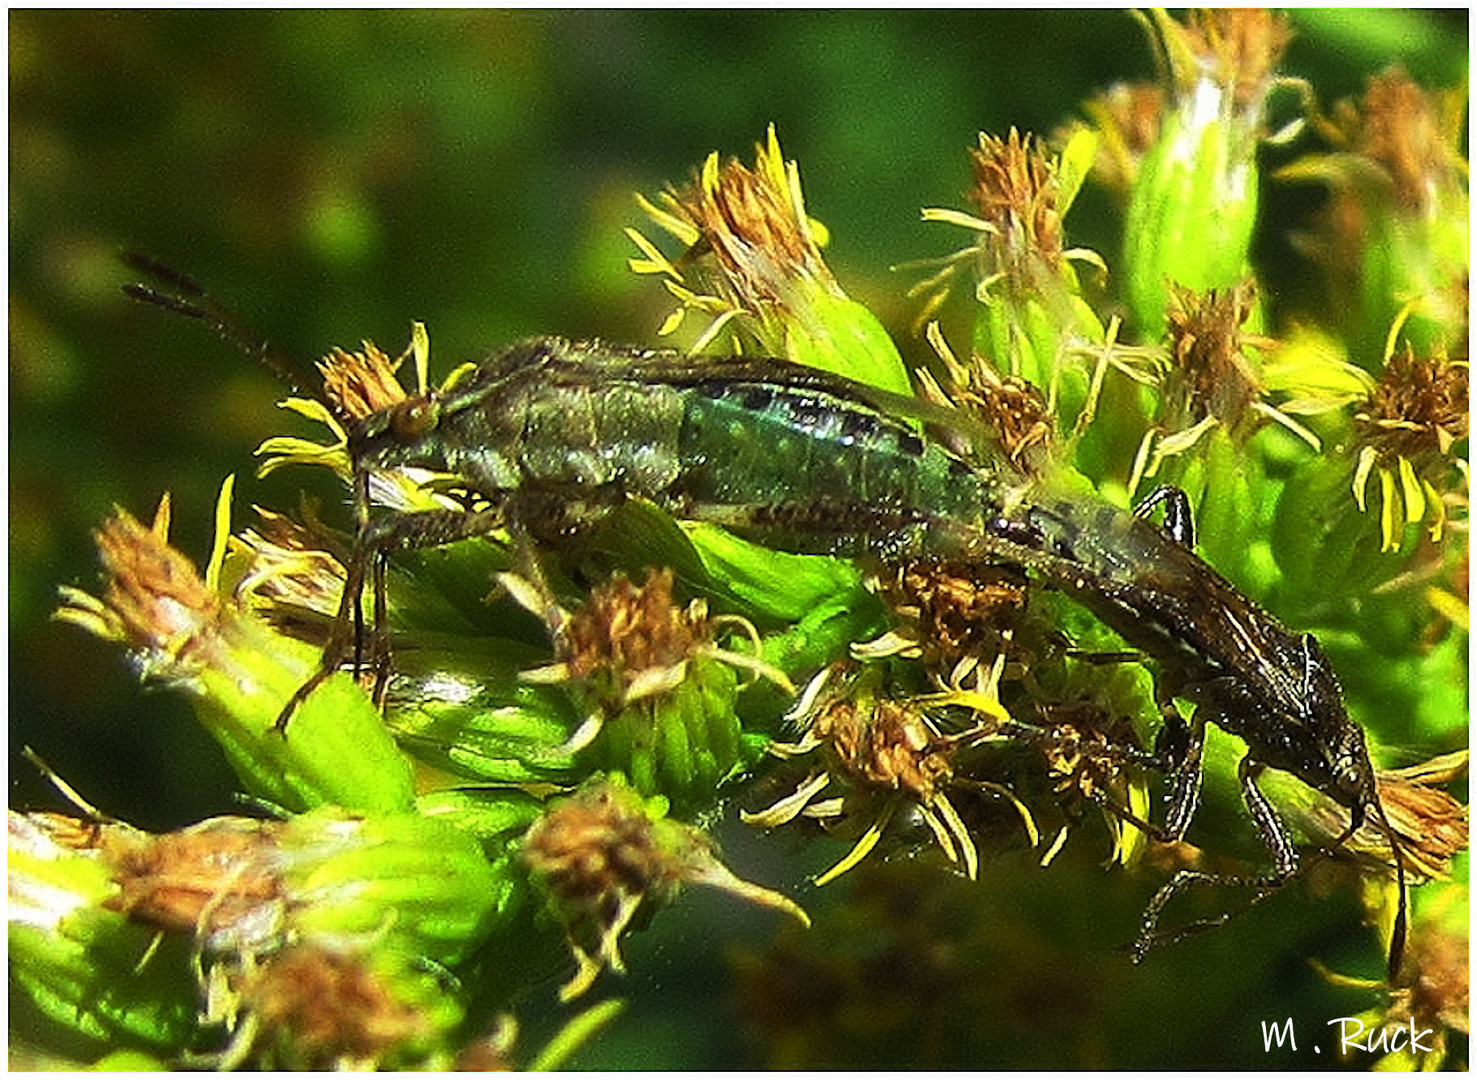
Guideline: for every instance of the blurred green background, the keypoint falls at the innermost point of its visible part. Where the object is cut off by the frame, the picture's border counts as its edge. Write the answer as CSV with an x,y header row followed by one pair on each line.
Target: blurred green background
x,y
335,175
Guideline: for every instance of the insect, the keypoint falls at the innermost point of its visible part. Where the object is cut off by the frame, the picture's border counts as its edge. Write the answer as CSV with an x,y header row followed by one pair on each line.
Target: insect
x,y
548,435
809,462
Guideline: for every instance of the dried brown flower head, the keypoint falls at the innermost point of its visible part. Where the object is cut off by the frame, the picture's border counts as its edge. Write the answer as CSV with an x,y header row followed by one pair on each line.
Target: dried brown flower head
x,y
1238,48
888,745
217,879
1408,133
1432,826
1418,409
1016,193
361,383
1080,756
597,851
887,755
625,629
293,578
751,221
1441,989
1211,375
601,854
959,611
326,1009
155,598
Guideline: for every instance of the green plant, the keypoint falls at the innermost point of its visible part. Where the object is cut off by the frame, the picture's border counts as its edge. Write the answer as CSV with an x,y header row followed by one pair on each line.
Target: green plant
x,y
1328,479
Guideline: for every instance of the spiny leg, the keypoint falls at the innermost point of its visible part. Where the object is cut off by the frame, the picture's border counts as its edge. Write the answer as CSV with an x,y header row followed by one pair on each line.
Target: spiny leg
x,y
1180,748
1285,868
376,539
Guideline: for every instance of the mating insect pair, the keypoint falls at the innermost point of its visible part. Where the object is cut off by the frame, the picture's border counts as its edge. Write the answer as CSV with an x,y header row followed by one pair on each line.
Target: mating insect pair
x,y
547,436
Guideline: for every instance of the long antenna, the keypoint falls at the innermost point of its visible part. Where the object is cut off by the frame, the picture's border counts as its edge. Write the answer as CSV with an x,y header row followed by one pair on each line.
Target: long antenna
x,y
182,295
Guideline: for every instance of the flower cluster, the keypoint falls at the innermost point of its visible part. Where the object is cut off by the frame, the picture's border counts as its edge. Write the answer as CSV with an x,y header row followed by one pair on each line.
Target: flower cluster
x,y
501,714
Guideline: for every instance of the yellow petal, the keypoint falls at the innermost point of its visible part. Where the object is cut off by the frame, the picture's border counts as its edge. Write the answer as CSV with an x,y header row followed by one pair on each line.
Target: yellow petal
x,y
1367,458
1438,511
222,534
420,348
1389,541
859,852
1410,488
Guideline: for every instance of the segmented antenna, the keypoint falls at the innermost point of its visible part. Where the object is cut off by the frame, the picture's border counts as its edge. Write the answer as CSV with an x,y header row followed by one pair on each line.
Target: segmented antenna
x,y
183,295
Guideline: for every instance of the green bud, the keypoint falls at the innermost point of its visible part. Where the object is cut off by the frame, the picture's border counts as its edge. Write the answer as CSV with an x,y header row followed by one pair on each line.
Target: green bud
x,y
681,743
1193,206
246,887
240,674
756,258
458,704
405,878
80,962
1394,240
1032,319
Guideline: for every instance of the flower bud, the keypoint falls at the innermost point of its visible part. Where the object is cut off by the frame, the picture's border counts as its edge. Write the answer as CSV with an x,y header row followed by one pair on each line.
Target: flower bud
x,y
1194,204
240,674
603,854
756,255
78,960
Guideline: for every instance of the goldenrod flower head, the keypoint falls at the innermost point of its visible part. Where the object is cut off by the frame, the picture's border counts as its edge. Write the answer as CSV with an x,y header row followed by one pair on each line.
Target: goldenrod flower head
x,y
155,601
1415,415
1210,373
239,671
603,853
884,755
85,966
329,911
363,392
1234,51
1016,192
356,385
361,383
1194,204
290,578
1405,140
1430,992
757,272
634,636
957,610
752,223
1020,195
314,1006
661,693
1394,236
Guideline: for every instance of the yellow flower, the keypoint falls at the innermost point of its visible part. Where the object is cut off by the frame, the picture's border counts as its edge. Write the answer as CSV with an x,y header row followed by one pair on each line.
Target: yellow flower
x,y
1408,426
885,755
753,269
603,852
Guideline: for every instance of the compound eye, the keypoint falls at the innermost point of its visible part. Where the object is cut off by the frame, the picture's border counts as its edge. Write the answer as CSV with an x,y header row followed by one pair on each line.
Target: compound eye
x,y
413,419
1351,778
